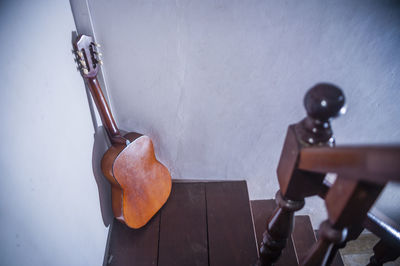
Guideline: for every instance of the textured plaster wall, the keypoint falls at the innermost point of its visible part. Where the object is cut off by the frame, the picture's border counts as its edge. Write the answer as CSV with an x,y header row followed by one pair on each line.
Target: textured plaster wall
x,y
216,83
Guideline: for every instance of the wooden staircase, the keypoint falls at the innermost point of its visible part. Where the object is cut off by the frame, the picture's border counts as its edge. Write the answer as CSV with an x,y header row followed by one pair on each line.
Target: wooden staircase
x,y
214,223
303,236
205,223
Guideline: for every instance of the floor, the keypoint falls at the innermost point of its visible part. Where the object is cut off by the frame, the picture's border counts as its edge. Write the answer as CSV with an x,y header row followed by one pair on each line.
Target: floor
x,y
198,226
358,252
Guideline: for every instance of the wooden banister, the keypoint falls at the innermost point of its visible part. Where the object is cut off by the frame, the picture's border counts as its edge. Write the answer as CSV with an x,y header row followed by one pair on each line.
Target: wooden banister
x,y
376,164
322,102
308,154
347,203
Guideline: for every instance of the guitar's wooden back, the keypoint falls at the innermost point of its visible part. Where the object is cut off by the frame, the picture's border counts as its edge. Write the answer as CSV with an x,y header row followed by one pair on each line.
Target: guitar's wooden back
x,y
140,183
145,182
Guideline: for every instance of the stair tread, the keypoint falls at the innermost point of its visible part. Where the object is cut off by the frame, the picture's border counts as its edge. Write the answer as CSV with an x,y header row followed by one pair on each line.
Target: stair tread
x,y
202,223
303,236
179,244
262,209
231,237
337,260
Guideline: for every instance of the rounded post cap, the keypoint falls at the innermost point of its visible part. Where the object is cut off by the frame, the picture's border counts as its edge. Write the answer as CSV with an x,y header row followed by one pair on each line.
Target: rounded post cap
x,y
324,101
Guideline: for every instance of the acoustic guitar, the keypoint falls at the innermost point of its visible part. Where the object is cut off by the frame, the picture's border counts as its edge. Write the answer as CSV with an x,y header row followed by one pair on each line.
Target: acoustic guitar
x,y
140,184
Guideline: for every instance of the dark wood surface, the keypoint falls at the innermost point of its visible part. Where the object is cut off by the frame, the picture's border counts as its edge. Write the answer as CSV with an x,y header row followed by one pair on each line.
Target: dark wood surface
x,y
89,64
377,164
337,260
105,112
133,246
322,102
382,226
303,235
309,153
378,222
183,227
202,223
230,225
383,252
262,209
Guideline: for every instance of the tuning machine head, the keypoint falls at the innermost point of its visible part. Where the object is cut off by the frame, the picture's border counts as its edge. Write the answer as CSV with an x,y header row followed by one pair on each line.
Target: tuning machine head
x,y
87,56
78,55
97,54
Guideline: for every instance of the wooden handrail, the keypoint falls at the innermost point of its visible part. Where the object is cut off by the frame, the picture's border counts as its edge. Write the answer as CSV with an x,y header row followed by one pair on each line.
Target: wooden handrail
x,y
375,221
377,164
308,154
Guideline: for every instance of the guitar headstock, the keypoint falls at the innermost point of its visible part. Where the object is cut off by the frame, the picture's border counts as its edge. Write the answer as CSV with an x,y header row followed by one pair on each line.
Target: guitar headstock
x,y
87,56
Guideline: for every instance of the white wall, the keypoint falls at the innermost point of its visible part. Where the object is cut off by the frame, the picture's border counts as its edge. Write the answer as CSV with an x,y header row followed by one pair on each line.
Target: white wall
x,y
216,83
49,207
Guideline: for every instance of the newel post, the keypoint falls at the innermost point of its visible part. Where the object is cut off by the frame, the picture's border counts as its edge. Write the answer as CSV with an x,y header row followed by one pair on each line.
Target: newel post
x,y
322,103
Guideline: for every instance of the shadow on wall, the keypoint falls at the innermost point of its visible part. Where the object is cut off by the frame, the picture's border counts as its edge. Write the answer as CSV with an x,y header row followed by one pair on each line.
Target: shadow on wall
x,y
100,146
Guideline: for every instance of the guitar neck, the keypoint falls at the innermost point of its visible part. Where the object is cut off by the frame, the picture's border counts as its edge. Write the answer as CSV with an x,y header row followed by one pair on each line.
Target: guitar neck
x,y
105,112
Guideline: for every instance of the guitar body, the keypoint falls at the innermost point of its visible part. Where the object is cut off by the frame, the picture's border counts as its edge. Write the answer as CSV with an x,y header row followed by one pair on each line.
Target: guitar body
x,y
140,185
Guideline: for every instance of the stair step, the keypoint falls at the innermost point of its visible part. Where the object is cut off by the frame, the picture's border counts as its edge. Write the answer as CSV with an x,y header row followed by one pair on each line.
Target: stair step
x,y
202,223
262,209
303,236
337,260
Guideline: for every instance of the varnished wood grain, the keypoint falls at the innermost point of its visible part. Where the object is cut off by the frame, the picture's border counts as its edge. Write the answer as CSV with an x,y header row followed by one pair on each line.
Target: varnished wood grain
x,y
200,224
129,246
383,252
377,164
303,235
145,182
183,228
104,111
230,226
337,260
322,102
261,210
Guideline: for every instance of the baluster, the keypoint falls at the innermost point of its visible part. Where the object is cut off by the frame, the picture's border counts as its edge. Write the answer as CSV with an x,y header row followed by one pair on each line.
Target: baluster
x,y
347,203
383,252
322,102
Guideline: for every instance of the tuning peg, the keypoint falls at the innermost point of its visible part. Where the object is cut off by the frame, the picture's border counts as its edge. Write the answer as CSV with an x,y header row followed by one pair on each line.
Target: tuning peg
x,y
80,54
96,44
98,54
100,62
83,63
85,71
